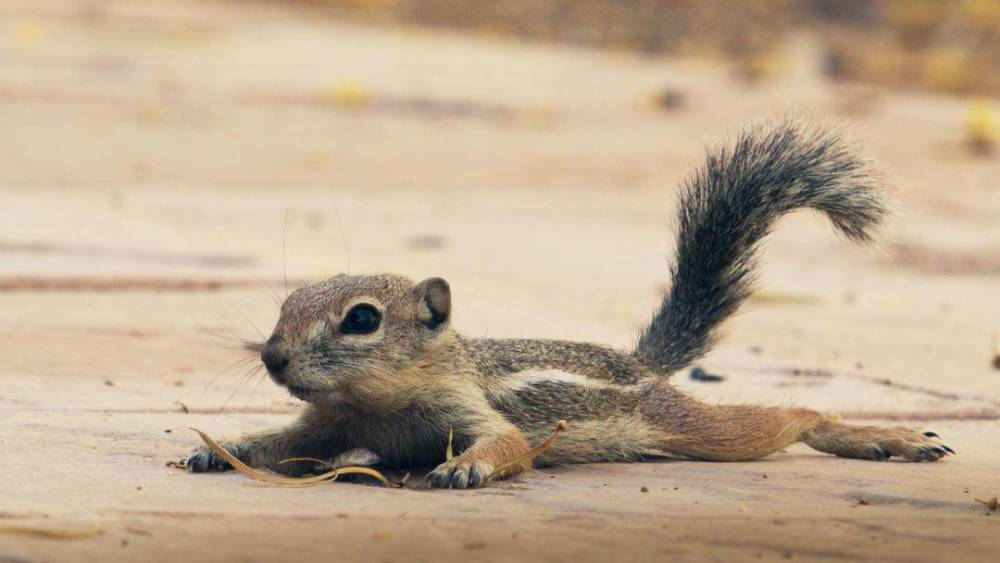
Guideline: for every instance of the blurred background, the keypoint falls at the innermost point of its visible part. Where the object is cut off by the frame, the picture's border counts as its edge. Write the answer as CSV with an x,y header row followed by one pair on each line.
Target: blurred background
x,y
458,93
942,46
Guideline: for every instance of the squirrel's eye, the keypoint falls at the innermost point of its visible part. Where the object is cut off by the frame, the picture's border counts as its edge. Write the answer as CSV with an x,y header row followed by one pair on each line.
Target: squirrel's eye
x,y
361,319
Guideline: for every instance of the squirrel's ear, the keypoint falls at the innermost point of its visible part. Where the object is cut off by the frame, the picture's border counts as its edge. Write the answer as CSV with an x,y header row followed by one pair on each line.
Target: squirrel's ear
x,y
433,302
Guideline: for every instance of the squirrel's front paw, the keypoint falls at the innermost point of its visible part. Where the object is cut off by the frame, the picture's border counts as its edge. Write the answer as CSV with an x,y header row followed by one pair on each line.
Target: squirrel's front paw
x,y
204,458
459,473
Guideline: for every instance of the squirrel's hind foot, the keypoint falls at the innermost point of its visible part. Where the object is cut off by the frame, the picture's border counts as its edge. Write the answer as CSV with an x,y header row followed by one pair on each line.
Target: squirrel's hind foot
x,y
877,444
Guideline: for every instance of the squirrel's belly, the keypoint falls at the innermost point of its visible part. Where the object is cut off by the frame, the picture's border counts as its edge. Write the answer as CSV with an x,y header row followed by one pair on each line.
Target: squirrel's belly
x,y
406,439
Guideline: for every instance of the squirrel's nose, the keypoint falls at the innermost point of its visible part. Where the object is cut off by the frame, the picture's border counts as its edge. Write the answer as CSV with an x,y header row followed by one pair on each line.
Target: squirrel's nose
x,y
274,360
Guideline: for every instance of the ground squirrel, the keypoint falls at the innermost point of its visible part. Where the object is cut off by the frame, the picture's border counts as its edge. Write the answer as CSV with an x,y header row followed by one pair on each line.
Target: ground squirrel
x,y
375,357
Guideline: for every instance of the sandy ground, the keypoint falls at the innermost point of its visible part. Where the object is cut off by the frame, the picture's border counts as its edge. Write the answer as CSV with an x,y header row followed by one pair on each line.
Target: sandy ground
x,y
166,166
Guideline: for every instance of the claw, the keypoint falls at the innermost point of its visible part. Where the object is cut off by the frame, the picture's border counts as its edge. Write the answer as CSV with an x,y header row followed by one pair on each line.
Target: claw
x,y
441,478
463,475
203,460
476,477
195,463
930,434
931,453
879,453
947,449
199,462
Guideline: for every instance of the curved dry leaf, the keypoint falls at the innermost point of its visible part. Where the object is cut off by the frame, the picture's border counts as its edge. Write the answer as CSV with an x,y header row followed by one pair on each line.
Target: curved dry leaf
x,y
52,533
532,453
347,470
992,503
258,474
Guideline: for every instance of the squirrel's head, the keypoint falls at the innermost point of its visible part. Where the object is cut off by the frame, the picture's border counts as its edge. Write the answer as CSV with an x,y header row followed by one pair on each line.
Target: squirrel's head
x,y
358,339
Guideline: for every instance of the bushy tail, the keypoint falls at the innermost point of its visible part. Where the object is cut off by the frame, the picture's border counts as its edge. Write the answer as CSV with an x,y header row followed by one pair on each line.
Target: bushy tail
x,y
730,205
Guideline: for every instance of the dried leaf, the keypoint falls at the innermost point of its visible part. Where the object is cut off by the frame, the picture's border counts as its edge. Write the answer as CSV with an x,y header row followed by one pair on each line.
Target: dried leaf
x,y
52,533
996,353
282,480
347,470
530,454
992,503
258,474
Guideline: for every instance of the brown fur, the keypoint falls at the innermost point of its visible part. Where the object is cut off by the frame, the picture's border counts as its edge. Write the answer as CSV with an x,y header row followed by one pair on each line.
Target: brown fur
x,y
377,360
496,396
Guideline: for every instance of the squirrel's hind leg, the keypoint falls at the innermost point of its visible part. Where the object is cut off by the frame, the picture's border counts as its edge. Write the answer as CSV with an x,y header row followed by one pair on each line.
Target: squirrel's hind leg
x,y
735,432
747,432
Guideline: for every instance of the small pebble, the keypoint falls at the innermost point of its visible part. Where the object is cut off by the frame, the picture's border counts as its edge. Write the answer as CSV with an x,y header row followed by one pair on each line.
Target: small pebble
x,y
474,545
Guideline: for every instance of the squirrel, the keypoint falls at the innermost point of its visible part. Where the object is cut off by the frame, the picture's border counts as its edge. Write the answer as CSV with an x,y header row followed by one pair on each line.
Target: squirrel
x,y
380,368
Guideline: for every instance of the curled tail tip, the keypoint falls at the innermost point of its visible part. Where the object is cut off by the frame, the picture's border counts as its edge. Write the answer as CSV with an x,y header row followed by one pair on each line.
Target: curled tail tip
x,y
731,204
836,176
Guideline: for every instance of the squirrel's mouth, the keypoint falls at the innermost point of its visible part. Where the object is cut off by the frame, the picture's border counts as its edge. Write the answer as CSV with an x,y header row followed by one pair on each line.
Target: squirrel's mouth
x,y
299,392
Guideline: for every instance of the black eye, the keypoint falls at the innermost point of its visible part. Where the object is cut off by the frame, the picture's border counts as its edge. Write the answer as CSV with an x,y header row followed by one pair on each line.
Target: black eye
x,y
361,319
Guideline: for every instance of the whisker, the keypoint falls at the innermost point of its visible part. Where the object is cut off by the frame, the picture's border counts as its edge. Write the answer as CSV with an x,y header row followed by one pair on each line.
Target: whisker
x,y
343,237
247,319
239,387
240,342
233,343
232,333
274,294
257,387
284,253
209,332
244,361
